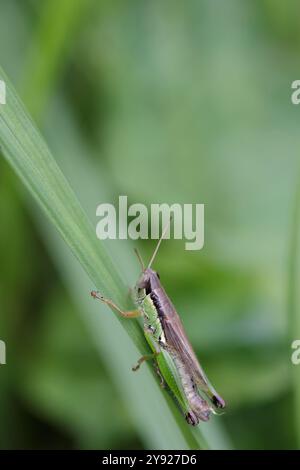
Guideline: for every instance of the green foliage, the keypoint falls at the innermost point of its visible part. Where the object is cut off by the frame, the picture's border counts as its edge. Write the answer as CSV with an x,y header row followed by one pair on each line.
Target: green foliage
x,y
162,102
27,153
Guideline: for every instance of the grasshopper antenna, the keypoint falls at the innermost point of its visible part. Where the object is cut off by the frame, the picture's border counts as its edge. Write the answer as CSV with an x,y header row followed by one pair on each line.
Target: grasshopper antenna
x,y
159,242
140,259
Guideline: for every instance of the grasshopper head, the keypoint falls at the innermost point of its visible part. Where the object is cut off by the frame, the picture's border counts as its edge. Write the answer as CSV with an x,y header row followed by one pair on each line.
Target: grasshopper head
x,y
149,280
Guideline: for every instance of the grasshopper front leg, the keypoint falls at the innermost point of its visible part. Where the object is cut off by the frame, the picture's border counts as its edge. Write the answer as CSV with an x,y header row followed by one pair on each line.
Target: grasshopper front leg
x,y
110,303
125,314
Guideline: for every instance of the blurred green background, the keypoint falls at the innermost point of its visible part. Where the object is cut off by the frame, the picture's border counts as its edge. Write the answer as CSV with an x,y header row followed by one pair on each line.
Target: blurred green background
x,y
165,102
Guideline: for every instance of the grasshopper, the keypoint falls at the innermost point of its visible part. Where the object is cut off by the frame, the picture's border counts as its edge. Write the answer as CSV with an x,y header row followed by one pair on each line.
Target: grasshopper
x,y
175,360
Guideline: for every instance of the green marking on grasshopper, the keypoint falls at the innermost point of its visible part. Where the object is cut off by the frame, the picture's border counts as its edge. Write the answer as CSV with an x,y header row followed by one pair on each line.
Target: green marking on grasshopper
x,y
171,350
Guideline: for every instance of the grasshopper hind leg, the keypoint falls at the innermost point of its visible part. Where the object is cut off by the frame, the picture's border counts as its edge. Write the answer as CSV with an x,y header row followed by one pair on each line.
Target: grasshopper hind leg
x,y
192,418
218,402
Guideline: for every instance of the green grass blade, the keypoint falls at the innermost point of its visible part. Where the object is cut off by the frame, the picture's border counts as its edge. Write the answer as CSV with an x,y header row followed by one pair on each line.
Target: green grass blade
x,y
26,151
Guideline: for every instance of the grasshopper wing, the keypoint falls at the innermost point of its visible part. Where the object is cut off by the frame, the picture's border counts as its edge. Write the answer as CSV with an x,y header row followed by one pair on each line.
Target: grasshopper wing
x,y
177,341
